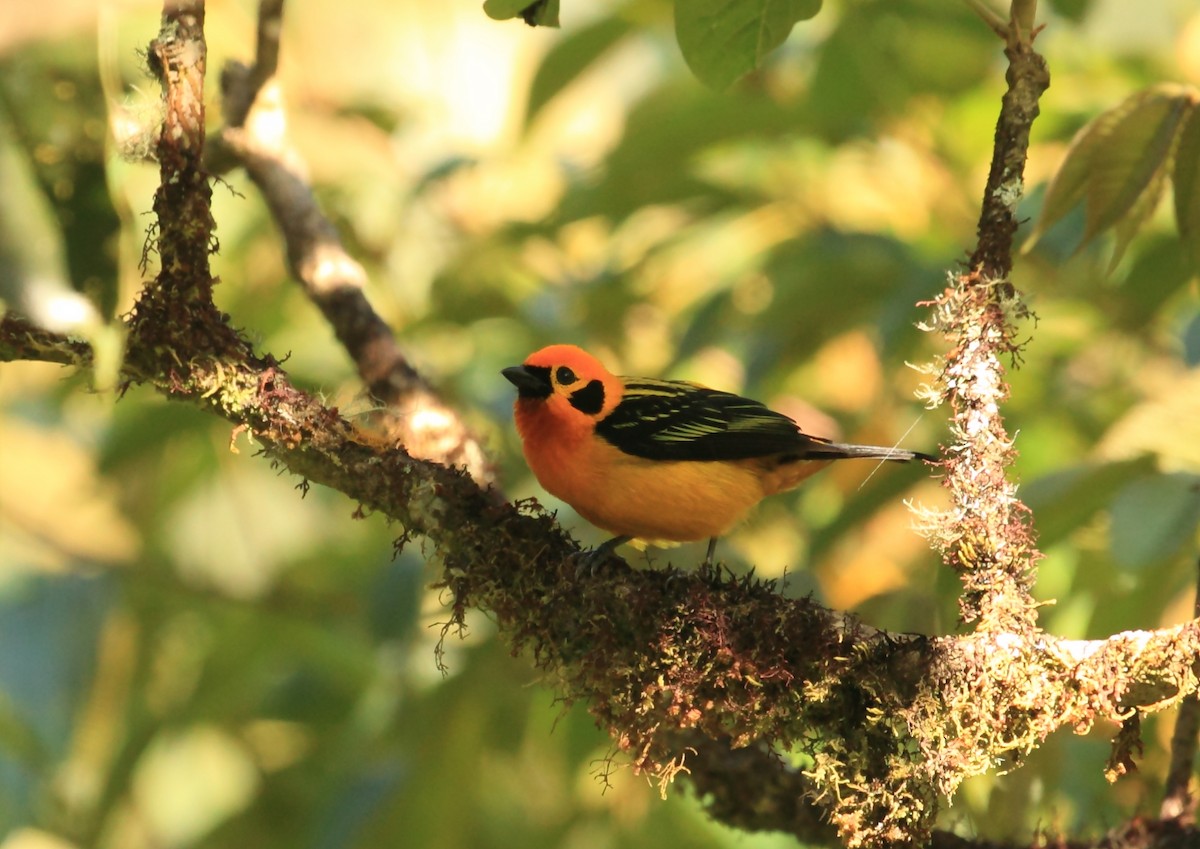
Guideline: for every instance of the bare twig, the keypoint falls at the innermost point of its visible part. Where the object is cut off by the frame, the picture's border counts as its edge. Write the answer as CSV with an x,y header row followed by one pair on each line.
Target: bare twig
x,y
1024,16
178,57
414,414
174,316
1028,77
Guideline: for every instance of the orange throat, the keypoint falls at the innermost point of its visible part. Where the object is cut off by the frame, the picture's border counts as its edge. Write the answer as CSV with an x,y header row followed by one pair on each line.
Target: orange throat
x,y
551,439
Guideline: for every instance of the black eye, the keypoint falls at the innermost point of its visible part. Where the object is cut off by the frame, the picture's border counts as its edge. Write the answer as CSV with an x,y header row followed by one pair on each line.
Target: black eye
x,y
565,376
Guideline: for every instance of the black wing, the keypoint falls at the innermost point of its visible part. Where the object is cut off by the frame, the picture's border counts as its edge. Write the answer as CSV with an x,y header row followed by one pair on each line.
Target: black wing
x,y
674,420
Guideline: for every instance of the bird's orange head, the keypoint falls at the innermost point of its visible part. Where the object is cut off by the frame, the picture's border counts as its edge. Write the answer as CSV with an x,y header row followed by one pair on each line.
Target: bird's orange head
x,y
564,389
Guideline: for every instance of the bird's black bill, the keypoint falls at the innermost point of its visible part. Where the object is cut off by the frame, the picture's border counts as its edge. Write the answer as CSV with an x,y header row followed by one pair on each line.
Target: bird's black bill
x,y
531,381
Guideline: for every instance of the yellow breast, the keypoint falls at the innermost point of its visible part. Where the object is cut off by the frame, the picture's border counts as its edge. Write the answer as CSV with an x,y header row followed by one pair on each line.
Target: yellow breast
x,y
651,500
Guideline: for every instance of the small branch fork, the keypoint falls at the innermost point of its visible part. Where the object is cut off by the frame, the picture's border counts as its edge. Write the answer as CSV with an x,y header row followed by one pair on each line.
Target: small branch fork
x,y
697,672
412,413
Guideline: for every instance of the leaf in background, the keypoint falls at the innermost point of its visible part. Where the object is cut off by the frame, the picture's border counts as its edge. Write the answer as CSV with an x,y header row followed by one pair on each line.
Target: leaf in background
x,y
1165,424
1073,10
540,13
50,627
1159,269
1153,517
664,133
828,280
1191,342
1138,213
1069,185
1117,165
570,57
722,40
1187,183
882,54
1066,500
34,277
1132,163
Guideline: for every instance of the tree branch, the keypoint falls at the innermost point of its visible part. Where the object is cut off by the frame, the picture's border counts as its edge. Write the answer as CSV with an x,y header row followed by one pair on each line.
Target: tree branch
x,y
413,414
669,662
987,535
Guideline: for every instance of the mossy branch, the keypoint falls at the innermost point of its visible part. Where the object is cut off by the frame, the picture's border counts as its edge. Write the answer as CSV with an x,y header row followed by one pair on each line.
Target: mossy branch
x,y
704,671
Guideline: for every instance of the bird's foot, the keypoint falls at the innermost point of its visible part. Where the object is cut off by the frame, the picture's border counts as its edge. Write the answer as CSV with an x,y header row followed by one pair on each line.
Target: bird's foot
x,y
590,561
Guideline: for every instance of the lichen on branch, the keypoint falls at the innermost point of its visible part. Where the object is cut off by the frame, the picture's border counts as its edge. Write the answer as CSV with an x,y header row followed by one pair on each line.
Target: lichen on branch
x,y
987,534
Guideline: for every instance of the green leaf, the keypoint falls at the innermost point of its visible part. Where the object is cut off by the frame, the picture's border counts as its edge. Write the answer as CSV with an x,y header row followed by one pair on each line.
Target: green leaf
x,y
1159,270
1138,213
1187,183
1117,165
1154,517
1190,339
722,40
539,13
1066,500
1135,156
1069,185
543,13
569,58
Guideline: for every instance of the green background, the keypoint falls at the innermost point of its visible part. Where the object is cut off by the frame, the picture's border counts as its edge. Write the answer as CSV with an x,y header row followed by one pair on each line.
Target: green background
x,y
192,654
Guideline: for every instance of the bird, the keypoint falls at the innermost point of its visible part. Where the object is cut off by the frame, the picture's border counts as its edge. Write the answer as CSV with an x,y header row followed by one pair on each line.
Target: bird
x,y
659,462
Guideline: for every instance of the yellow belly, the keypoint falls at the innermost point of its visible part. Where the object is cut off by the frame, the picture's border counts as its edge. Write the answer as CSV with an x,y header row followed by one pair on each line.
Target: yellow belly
x,y
654,501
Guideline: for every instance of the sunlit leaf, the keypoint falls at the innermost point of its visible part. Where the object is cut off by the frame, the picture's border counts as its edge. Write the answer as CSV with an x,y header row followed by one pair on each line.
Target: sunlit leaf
x,y
1128,225
1134,157
1117,165
1152,518
722,39
1186,178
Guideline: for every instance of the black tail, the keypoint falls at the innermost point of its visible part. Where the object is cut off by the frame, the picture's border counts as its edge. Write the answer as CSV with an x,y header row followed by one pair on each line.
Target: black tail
x,y
842,451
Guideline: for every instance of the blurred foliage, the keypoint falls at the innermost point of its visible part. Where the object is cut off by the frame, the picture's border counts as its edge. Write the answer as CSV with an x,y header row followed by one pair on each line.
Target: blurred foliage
x,y
1119,164
193,654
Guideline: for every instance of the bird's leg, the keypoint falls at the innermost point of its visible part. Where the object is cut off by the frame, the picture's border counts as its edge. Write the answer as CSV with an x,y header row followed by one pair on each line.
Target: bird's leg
x,y
712,549
605,547
591,559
